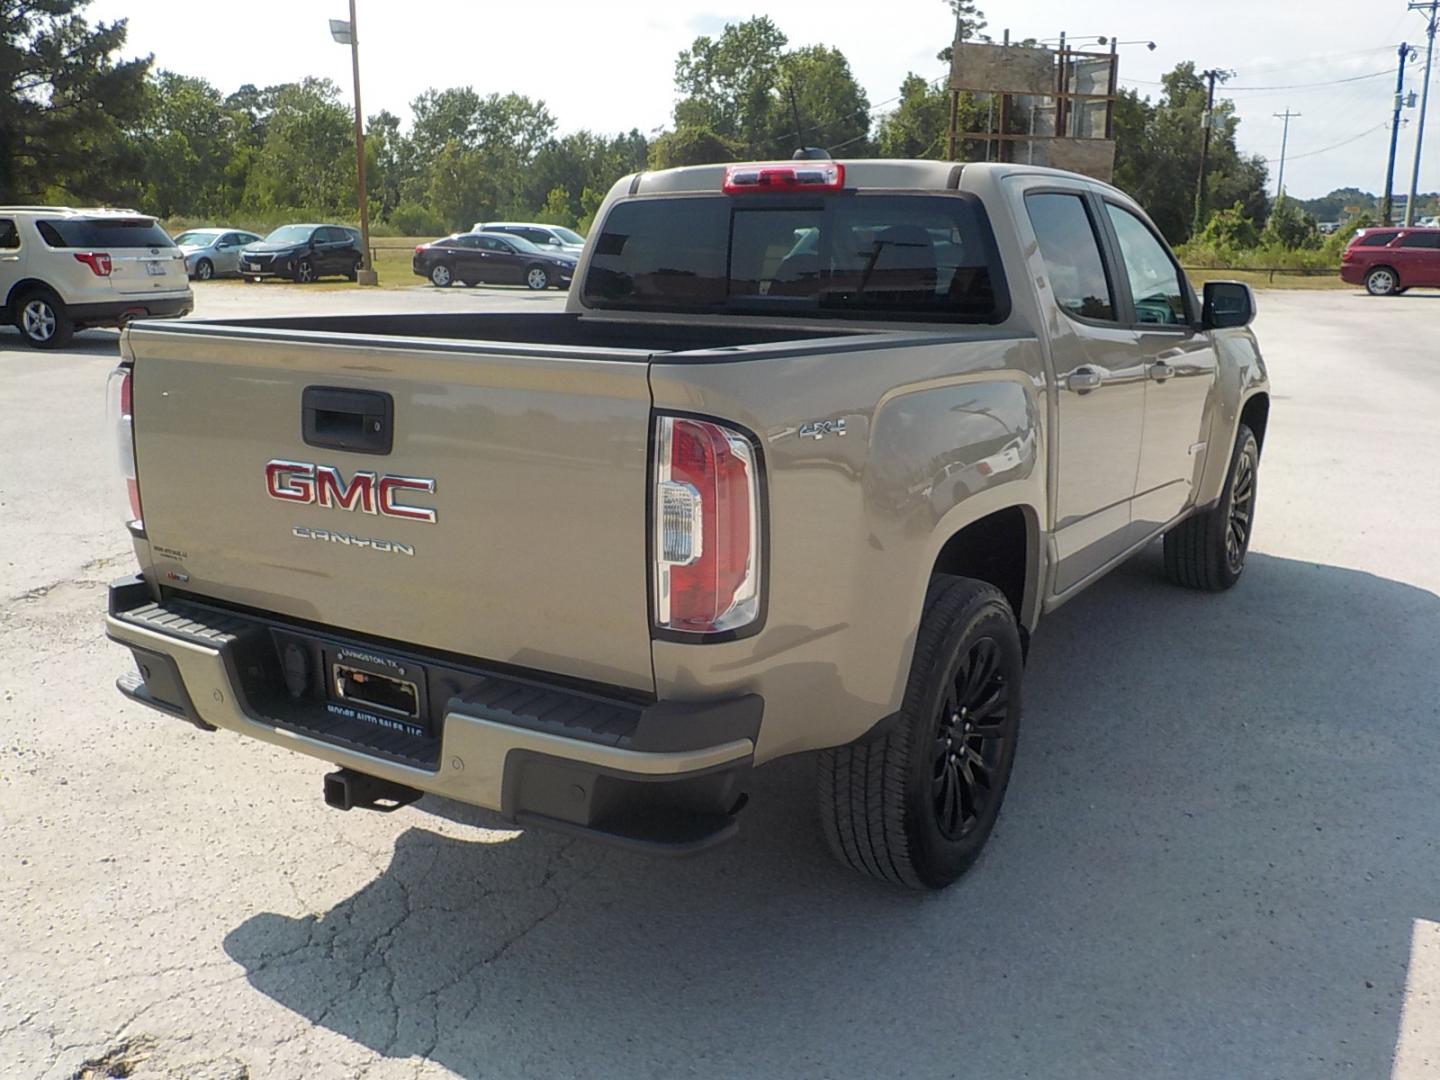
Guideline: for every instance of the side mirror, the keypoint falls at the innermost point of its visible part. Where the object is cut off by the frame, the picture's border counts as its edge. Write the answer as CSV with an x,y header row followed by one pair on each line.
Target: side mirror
x,y
1227,304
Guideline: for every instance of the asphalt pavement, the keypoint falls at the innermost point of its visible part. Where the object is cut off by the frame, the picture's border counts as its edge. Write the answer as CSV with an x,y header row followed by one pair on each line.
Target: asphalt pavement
x,y
1218,857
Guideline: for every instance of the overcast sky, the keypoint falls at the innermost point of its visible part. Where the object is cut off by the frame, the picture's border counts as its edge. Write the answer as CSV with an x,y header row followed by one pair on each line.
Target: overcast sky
x,y
610,66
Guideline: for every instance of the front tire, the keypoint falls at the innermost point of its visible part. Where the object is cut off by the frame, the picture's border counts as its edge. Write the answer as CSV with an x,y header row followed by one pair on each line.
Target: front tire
x,y
537,279
204,270
441,276
1382,281
914,802
1207,550
305,272
43,321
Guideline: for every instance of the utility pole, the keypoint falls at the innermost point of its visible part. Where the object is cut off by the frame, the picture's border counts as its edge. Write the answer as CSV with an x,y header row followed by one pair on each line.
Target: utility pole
x,y
1387,204
1287,116
1434,8
1207,122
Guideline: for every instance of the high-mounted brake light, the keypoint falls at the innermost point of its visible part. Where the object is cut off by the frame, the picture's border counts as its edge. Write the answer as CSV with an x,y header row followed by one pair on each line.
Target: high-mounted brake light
x,y
98,261
707,527
119,402
784,176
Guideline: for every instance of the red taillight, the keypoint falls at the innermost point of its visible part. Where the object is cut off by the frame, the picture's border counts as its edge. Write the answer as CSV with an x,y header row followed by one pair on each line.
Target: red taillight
x,y
99,262
786,176
420,247
120,398
707,527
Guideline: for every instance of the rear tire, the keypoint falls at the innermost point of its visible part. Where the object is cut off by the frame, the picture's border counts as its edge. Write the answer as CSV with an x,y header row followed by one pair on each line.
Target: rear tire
x,y
442,276
43,320
1207,550
354,272
1382,281
914,802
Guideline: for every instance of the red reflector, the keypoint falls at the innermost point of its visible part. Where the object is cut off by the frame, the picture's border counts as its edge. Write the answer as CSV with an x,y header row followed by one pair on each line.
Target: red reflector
x,y
132,489
98,261
126,399
784,176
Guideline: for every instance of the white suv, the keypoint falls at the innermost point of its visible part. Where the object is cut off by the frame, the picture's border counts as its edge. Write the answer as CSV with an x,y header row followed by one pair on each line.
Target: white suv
x,y
63,270
555,239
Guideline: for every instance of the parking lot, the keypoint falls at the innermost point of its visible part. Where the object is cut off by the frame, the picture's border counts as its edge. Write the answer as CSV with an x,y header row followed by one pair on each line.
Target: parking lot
x,y
1218,857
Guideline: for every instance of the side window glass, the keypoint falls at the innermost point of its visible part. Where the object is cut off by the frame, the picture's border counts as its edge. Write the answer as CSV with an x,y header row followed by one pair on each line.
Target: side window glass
x,y
489,243
9,235
1420,240
1154,281
1071,250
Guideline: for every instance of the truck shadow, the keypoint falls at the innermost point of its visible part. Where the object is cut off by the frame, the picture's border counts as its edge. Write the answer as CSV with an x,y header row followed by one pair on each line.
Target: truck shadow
x,y
1217,842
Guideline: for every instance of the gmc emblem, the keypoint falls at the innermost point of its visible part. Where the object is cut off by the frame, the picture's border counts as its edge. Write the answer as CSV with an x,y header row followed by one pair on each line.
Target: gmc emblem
x,y
368,492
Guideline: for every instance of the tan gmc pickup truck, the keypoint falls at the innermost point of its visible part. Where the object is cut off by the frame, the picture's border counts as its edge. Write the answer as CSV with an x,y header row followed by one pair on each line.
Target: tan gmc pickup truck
x,y
800,468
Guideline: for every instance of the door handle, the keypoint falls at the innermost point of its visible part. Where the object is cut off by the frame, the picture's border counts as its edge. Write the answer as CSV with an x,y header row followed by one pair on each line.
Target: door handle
x,y
1160,371
1083,380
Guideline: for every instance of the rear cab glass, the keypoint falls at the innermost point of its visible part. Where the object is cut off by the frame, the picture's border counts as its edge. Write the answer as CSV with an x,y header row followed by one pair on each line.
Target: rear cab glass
x,y
853,255
102,233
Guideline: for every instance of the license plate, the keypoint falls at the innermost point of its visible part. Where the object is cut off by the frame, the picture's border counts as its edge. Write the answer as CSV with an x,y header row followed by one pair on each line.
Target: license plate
x,y
155,269
252,266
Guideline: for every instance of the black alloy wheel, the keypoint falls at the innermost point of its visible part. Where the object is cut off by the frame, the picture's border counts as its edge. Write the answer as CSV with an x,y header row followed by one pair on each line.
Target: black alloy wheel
x,y
975,725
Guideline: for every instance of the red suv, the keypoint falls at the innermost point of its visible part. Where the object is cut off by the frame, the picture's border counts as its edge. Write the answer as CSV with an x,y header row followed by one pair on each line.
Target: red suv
x,y
1389,261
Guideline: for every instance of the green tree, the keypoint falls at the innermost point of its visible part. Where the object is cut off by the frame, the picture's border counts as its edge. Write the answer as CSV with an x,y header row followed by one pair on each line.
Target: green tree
x,y
919,123
1230,229
307,160
693,146
969,26
186,142
556,209
745,88
818,91
64,101
1157,155
1291,228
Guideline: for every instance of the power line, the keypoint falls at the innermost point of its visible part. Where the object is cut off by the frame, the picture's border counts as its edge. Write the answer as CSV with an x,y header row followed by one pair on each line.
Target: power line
x,y
1332,146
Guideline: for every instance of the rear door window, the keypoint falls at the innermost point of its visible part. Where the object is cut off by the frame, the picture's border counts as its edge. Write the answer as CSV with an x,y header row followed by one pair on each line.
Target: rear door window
x,y
1420,240
9,235
907,256
102,233
1070,247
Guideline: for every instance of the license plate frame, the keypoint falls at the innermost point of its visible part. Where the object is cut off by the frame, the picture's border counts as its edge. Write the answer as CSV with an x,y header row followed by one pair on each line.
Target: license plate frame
x,y
155,268
350,659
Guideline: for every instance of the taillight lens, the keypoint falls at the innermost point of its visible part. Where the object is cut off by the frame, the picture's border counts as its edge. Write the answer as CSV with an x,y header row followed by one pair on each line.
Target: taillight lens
x,y
99,262
119,404
707,527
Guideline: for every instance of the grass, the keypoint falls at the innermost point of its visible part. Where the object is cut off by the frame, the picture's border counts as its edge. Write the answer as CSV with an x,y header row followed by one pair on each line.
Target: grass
x,y
1262,279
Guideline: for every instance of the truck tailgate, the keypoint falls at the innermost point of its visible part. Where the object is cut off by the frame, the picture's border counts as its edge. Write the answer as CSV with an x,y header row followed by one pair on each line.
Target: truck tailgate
x,y
536,556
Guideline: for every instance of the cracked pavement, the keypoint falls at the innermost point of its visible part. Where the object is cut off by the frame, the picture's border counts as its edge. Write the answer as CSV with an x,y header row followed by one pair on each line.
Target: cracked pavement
x,y
1218,857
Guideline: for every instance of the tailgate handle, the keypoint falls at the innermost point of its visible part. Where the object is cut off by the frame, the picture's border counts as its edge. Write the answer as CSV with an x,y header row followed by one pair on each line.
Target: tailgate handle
x,y
362,421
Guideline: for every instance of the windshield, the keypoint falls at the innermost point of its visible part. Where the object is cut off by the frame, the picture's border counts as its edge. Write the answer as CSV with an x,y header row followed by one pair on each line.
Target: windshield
x,y
290,234
904,255
521,244
570,236
195,239
104,233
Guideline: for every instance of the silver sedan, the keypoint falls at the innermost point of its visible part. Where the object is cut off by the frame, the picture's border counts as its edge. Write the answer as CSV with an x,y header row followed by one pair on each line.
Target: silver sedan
x,y
212,252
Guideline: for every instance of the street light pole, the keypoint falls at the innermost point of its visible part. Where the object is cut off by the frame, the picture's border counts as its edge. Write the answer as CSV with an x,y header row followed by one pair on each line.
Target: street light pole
x,y
347,34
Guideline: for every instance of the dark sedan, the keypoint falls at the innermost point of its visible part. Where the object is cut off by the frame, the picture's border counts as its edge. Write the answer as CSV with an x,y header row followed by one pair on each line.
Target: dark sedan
x,y
471,258
303,253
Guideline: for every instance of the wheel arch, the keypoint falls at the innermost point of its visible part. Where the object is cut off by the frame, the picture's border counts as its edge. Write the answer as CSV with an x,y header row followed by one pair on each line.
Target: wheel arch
x,y
25,285
1255,414
1001,548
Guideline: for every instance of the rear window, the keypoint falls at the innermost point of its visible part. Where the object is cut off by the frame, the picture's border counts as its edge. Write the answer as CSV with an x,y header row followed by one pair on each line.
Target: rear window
x,y
103,233
907,256
1374,239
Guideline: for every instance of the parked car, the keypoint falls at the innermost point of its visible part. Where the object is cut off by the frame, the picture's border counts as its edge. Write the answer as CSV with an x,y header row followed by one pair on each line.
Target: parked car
x,y
63,270
739,501
1388,261
496,258
303,253
545,237
213,252
1429,222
